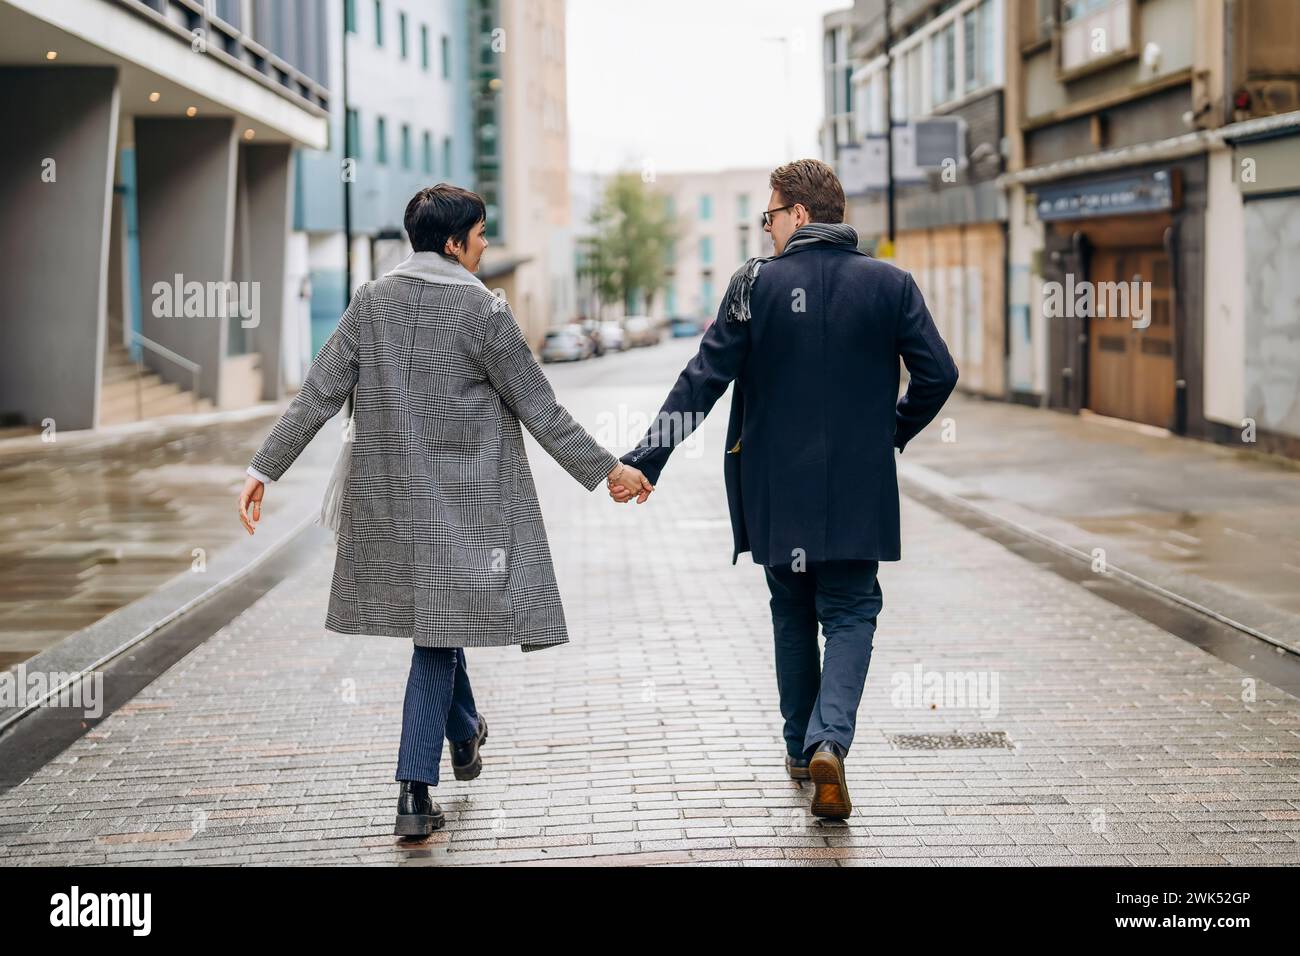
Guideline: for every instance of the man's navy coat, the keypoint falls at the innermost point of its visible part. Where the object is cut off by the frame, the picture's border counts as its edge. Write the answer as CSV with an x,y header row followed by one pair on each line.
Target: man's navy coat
x,y
815,417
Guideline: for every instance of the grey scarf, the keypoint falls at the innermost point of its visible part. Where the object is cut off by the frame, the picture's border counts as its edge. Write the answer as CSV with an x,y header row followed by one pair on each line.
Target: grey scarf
x,y
736,300
432,267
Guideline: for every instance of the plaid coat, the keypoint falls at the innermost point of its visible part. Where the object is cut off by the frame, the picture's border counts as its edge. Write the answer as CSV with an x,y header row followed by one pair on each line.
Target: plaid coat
x,y
441,537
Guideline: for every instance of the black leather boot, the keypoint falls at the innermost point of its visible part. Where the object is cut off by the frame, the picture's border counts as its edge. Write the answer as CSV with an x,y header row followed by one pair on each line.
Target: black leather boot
x,y
417,814
826,768
465,760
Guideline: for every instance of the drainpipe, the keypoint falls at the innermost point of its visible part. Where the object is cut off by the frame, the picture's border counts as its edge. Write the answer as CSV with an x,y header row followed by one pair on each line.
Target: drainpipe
x,y
1078,351
1170,242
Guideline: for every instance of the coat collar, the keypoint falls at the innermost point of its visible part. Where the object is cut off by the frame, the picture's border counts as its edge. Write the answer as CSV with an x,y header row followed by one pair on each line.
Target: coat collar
x,y
432,267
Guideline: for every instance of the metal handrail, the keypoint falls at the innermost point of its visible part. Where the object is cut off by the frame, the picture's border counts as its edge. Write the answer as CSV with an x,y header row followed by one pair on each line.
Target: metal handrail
x,y
194,368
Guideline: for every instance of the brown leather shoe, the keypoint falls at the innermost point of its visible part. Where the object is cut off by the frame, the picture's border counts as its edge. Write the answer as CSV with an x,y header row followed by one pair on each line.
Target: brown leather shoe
x,y
796,767
826,768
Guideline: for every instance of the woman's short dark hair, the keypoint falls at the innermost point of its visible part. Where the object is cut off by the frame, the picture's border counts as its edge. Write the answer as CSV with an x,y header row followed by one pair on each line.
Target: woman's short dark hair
x,y
438,213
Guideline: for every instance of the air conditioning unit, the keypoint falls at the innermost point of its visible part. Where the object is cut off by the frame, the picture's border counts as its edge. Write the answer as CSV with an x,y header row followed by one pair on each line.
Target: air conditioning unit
x,y
938,141
919,148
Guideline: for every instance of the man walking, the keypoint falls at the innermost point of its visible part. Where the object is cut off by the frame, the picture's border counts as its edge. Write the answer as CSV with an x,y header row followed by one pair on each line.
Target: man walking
x,y
812,337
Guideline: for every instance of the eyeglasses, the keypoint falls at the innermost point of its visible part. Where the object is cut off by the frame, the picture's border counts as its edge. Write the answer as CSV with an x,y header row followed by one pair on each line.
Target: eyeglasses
x,y
765,220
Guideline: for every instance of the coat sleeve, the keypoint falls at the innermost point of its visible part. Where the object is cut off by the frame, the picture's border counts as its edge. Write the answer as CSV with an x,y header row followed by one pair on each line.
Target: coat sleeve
x,y
523,386
330,380
932,374
721,356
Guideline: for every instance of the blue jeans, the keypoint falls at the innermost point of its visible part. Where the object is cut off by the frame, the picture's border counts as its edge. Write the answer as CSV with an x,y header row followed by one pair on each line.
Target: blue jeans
x,y
819,699
439,703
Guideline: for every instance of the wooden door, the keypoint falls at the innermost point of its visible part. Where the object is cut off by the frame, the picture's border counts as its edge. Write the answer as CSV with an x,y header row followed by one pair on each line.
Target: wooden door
x,y
1131,369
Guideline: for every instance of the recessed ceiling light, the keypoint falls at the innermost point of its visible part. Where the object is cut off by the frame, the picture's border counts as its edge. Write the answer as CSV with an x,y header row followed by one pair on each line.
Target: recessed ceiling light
x,y
192,111
249,133
155,96
51,54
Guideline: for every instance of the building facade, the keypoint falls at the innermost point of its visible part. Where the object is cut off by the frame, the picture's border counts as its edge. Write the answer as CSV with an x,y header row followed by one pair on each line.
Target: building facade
x,y
1132,124
718,217
521,157
147,202
405,125
925,81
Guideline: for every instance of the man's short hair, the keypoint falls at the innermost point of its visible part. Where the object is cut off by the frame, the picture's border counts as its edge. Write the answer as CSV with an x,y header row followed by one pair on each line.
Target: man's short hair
x,y
438,213
813,185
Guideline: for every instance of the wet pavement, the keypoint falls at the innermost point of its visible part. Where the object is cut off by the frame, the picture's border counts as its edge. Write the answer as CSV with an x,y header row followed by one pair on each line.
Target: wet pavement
x,y
91,522
1219,525
1085,734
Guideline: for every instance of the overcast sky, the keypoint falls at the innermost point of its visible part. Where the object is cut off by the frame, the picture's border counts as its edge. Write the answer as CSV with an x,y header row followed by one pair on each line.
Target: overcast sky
x,y
693,84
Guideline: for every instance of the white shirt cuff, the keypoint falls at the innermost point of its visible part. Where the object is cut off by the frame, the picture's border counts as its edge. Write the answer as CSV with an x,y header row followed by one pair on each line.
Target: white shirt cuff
x,y
259,476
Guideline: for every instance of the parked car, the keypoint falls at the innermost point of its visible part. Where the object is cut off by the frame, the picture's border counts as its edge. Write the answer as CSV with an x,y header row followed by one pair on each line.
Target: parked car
x,y
612,336
640,331
591,329
565,345
684,326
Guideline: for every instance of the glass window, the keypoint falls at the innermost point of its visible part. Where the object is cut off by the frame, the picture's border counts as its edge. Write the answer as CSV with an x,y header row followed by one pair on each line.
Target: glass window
x,y
907,103
446,157
706,296
978,45
406,146
969,42
943,60
1076,9
379,22
401,34
381,141
706,250
424,47
352,136
898,102
427,149
706,206
742,207
350,16
446,57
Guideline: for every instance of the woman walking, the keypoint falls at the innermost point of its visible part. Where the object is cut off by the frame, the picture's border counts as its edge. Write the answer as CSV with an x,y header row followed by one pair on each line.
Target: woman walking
x,y
440,534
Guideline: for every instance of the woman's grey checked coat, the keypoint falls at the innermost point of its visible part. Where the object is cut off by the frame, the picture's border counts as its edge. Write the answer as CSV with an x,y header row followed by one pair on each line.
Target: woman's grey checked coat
x,y
441,537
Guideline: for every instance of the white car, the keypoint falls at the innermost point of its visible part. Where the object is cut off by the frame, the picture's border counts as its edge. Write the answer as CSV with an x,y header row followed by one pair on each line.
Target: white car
x,y
612,336
640,330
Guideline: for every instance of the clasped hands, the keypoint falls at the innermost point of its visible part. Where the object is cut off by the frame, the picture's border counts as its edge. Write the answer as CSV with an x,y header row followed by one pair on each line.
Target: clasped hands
x,y
626,483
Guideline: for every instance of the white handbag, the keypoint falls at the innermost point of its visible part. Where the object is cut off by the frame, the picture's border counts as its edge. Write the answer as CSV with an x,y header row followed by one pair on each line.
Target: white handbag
x,y
331,507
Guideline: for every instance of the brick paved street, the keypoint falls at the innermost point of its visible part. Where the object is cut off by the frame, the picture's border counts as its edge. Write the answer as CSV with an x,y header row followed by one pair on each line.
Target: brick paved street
x,y
654,737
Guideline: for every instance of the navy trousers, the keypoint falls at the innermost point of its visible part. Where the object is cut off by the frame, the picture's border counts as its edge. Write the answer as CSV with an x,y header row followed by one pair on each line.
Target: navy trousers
x,y
439,703
819,699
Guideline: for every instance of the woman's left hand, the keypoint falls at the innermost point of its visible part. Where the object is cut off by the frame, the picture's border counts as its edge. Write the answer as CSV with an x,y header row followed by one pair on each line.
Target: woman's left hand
x,y
252,494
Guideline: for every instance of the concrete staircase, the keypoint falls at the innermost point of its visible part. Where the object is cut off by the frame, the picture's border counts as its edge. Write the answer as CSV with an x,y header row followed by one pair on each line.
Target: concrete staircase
x,y
122,400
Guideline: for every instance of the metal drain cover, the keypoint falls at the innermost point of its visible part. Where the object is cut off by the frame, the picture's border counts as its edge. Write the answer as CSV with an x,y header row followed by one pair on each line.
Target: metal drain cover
x,y
983,740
